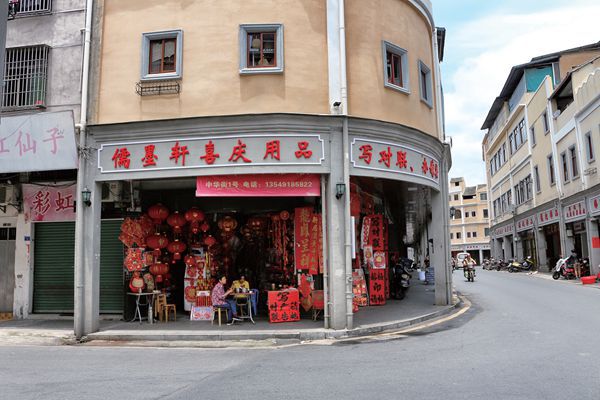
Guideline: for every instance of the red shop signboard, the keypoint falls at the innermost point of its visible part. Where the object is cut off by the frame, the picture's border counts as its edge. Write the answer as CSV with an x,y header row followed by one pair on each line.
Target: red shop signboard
x,y
284,306
259,185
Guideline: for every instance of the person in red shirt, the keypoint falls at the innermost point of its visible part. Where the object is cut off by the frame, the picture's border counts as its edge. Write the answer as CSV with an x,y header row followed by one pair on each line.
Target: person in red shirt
x,y
219,299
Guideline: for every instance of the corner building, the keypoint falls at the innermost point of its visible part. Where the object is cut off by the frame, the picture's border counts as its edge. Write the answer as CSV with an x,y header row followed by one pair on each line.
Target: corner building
x,y
246,109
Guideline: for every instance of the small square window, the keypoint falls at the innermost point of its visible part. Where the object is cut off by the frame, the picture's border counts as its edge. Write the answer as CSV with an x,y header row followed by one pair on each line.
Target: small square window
x,y
458,235
486,231
261,49
451,235
425,84
485,213
162,55
474,234
395,67
468,234
455,197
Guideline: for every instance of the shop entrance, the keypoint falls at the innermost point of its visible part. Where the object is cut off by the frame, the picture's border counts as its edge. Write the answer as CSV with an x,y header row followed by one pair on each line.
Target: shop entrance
x,y
273,243
7,268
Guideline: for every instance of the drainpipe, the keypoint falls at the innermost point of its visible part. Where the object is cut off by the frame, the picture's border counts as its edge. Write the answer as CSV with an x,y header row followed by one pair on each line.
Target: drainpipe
x,y
79,316
346,150
326,316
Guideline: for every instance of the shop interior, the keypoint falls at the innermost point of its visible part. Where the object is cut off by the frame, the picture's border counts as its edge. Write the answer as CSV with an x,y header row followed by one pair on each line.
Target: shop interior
x,y
178,244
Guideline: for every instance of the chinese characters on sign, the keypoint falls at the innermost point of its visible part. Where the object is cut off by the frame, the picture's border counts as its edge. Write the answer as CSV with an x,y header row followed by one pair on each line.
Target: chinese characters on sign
x,y
284,305
394,158
308,241
224,151
525,224
377,287
507,229
547,217
39,142
49,203
575,211
258,185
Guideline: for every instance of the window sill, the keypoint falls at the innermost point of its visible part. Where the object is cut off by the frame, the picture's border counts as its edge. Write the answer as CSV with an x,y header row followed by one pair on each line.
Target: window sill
x,y
160,77
397,88
263,70
427,103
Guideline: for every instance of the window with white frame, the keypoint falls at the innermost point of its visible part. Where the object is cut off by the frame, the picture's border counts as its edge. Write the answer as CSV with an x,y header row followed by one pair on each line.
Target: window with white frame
x,y
25,77
468,234
483,196
532,131
32,7
551,176
565,166
474,234
261,48
573,157
458,235
536,177
395,63
425,84
486,231
523,190
485,213
162,55
545,122
517,137
589,147
473,213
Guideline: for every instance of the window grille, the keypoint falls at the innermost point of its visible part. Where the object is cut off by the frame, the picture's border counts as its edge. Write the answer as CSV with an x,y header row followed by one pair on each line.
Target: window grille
x,y
25,76
34,6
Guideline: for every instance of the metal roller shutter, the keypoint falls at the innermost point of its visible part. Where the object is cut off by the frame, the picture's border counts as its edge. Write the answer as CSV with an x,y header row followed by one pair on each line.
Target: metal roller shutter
x,y
54,272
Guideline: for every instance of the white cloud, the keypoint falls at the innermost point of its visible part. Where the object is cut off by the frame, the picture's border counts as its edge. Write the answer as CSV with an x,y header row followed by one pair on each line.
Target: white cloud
x,y
487,48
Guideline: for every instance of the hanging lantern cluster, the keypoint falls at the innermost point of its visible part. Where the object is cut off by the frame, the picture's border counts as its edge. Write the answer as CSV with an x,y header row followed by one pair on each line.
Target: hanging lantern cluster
x,y
159,270
158,213
157,243
176,247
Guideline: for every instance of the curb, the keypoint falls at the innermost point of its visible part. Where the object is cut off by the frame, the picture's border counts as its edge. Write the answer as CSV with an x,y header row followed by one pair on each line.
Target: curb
x,y
298,335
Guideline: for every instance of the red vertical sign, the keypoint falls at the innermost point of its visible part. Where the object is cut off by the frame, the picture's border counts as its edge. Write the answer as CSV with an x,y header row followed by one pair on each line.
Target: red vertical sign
x,y
302,252
377,287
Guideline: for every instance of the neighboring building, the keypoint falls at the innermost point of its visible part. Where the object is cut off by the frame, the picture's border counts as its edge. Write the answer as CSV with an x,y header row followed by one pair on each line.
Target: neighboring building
x,y
361,112
540,150
38,156
470,225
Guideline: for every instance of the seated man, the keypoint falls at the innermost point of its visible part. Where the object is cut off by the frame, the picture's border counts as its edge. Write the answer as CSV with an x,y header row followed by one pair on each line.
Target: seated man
x,y
241,283
219,299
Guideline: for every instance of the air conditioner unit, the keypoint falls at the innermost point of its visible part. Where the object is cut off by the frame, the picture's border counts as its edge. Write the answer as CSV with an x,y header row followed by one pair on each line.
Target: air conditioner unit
x,y
112,192
7,194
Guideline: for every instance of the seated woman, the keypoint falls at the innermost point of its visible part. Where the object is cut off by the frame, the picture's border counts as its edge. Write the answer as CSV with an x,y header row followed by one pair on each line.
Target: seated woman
x,y
219,299
243,283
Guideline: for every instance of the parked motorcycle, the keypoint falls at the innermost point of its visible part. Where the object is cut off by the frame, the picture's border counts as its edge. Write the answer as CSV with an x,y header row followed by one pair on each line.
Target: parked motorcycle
x,y
525,265
501,265
564,267
400,279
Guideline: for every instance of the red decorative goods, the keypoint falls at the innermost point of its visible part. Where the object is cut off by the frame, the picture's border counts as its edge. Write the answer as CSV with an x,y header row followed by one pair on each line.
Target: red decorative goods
x,y
158,213
157,242
190,261
158,270
210,241
194,215
204,227
176,248
284,215
176,221
136,284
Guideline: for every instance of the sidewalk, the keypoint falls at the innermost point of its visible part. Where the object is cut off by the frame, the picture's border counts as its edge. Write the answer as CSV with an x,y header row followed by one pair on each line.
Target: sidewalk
x,y
548,276
416,308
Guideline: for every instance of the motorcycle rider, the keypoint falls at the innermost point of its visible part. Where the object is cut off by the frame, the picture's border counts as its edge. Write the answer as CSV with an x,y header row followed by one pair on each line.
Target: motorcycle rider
x,y
468,264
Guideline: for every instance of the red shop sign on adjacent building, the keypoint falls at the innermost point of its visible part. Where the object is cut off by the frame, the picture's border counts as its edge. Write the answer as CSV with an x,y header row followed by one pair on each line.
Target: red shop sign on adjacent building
x,y
259,185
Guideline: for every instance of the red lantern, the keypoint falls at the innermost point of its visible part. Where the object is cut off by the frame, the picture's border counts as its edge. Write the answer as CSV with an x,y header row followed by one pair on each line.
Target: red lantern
x,y
204,227
190,260
158,213
176,248
158,270
194,215
210,241
177,221
195,227
157,242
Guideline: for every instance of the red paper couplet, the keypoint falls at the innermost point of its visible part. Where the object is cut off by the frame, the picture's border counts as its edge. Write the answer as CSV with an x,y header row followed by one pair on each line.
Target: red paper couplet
x,y
377,287
284,306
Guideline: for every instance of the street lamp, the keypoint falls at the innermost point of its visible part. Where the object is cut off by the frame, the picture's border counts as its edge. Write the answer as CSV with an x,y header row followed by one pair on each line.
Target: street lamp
x,y
86,196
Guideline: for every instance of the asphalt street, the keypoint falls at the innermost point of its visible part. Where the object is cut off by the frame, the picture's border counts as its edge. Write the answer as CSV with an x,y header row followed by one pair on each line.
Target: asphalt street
x,y
525,337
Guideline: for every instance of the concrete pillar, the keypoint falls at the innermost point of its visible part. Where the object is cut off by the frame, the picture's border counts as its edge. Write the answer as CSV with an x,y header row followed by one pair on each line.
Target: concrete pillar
x,y
507,247
480,257
87,252
594,253
439,232
23,293
541,246
518,247
336,220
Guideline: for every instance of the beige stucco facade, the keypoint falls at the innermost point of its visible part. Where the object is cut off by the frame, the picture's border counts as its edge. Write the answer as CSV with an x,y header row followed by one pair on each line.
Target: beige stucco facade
x,y
211,83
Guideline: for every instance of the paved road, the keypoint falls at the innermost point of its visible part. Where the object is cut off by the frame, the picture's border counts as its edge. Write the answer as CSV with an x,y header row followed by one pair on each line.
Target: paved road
x,y
524,338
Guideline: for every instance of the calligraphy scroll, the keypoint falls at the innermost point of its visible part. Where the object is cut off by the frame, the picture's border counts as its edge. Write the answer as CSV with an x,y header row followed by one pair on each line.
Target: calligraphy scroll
x,y
284,306
376,232
377,287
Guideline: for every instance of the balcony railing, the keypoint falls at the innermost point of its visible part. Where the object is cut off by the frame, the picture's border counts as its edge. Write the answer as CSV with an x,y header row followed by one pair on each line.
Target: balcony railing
x,y
28,7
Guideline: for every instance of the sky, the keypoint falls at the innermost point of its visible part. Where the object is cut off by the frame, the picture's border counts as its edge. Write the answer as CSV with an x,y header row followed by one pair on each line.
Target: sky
x,y
484,39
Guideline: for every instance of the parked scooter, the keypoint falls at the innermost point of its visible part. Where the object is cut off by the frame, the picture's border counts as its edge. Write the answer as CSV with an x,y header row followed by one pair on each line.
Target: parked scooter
x,y
564,267
400,279
525,265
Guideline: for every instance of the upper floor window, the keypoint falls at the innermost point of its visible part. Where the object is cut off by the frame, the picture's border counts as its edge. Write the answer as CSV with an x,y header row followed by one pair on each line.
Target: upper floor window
x,y
457,214
261,48
425,84
162,55
536,177
545,122
485,213
458,235
473,213
589,147
551,169
532,131
483,196
486,231
395,61
451,235
455,197
25,77
32,7
468,234
565,166
573,156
